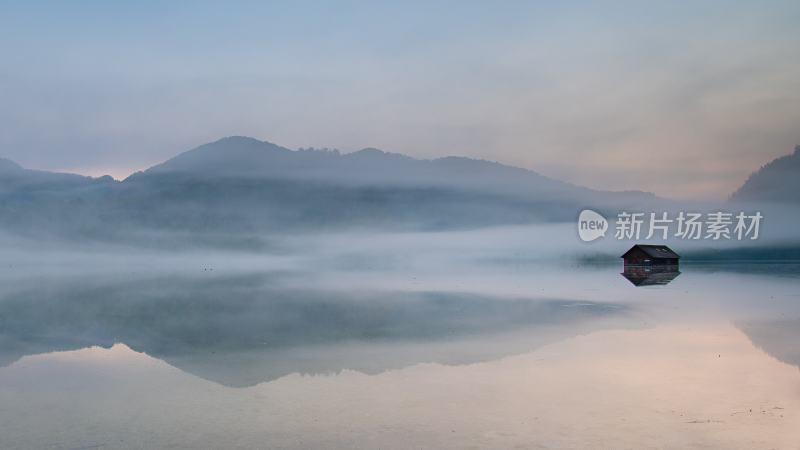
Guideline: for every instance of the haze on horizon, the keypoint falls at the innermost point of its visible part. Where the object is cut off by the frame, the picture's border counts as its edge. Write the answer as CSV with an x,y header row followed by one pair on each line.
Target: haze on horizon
x,y
684,100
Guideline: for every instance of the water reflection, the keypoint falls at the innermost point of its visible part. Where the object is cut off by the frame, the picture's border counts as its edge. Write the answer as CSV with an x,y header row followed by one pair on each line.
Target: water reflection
x,y
490,357
779,338
246,329
662,387
650,275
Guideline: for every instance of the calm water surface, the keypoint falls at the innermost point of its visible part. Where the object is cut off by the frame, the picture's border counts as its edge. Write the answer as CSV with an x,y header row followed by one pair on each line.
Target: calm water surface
x,y
211,354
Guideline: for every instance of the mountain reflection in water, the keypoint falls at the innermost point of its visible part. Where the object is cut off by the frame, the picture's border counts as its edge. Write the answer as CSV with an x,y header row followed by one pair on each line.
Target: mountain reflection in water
x,y
243,330
780,338
497,355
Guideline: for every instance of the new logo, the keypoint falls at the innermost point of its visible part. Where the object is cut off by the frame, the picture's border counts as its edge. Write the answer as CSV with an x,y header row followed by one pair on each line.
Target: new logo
x,y
591,225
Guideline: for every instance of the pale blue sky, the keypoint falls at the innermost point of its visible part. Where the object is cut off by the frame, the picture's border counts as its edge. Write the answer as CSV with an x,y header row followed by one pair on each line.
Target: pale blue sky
x,y
680,98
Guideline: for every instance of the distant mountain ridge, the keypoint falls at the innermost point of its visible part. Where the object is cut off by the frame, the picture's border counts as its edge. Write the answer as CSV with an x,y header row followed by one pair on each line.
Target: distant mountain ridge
x,y
777,181
239,186
9,166
239,156
15,178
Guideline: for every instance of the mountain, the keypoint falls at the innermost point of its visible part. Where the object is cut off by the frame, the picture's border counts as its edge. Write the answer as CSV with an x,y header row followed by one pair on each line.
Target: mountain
x,y
245,157
14,177
252,185
777,181
9,167
238,186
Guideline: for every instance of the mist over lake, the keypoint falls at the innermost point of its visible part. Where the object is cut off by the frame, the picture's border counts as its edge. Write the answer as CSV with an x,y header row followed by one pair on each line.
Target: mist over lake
x,y
472,331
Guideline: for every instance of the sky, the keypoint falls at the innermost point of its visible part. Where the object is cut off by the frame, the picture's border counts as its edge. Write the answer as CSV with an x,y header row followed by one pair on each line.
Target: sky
x,y
684,99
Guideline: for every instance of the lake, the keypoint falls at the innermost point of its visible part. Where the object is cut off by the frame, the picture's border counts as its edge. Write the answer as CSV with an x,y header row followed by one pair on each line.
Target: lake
x,y
362,350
